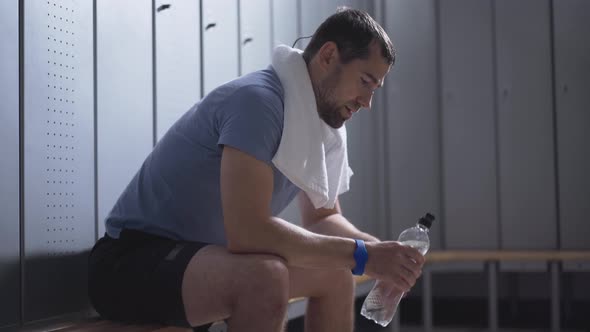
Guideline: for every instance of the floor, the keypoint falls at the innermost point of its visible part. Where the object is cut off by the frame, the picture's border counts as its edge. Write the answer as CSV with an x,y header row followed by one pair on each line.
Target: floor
x,y
364,325
297,326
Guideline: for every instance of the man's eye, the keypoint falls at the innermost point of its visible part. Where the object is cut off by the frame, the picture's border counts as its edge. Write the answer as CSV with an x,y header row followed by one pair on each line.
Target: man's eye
x,y
365,82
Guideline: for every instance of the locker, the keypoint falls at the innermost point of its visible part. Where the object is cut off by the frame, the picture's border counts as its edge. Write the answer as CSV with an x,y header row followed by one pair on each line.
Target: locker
x,y
361,204
178,60
525,125
572,65
59,220
291,212
313,13
124,96
412,117
468,134
285,27
9,165
220,43
255,31
365,205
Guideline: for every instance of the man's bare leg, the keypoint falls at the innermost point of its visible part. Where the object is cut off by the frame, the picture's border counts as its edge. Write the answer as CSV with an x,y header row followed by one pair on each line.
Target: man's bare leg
x,y
331,298
251,290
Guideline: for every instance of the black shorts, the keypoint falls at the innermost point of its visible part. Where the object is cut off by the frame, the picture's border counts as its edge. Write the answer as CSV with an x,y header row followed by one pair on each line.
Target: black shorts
x,y
138,278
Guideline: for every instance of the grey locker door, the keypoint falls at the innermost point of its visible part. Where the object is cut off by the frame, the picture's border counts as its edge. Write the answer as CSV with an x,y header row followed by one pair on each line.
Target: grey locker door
x,y
525,125
220,43
178,61
572,66
255,33
285,23
313,13
285,32
468,131
360,205
291,213
59,220
9,165
124,96
412,117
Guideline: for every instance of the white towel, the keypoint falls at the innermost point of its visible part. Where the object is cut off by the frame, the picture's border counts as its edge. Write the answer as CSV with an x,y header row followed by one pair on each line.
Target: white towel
x,y
311,154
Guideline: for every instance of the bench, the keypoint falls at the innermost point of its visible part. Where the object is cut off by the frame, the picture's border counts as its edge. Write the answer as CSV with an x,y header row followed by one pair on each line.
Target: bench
x,y
491,259
96,324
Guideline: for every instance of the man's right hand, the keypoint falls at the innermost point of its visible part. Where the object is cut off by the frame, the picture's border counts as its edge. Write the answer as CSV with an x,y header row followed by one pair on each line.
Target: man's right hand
x,y
391,260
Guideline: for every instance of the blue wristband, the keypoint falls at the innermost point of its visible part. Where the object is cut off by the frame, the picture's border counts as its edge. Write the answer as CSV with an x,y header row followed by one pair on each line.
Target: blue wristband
x,y
360,256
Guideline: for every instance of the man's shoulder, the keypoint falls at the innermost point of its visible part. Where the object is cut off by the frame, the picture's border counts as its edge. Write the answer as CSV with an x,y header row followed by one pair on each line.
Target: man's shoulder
x,y
264,84
251,116
256,92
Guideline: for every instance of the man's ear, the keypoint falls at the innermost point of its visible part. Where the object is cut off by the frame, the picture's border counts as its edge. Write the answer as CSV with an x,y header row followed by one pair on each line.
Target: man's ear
x,y
328,54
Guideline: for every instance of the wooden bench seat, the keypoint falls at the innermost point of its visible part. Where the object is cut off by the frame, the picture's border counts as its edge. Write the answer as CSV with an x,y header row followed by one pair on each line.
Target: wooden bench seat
x,y
443,256
95,324
491,260
99,325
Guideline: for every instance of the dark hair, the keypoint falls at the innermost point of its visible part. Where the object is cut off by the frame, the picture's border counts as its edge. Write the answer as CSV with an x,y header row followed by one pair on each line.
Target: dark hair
x,y
353,31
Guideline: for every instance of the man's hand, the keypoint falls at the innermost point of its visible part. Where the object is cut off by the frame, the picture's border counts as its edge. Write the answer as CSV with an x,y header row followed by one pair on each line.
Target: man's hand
x,y
391,260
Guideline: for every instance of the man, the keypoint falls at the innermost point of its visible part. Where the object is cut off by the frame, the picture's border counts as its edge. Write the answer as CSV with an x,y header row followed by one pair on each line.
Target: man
x,y
194,238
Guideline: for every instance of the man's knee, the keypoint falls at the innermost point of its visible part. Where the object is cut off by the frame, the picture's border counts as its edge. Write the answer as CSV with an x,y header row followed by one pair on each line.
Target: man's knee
x,y
267,282
269,272
343,279
340,282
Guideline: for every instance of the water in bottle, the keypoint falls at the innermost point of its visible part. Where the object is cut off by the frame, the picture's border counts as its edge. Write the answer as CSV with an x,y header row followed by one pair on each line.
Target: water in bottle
x,y
383,300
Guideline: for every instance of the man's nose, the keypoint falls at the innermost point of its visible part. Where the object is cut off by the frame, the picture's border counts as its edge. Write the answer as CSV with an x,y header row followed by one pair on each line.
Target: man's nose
x,y
365,101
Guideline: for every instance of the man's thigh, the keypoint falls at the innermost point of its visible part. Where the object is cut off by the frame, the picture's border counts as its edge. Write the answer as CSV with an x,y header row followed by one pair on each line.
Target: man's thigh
x,y
215,280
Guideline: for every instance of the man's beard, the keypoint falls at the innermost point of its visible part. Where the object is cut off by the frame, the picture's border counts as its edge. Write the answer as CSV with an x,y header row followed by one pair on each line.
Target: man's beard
x,y
328,109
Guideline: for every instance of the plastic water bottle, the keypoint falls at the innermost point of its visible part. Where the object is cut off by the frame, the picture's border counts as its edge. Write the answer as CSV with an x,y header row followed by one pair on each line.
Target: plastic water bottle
x,y
382,302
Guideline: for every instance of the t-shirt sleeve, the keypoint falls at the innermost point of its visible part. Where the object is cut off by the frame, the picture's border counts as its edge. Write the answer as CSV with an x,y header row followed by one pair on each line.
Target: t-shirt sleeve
x,y
251,120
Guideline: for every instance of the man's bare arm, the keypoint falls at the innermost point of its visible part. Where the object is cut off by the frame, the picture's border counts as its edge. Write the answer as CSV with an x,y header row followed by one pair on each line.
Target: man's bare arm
x,y
246,193
329,221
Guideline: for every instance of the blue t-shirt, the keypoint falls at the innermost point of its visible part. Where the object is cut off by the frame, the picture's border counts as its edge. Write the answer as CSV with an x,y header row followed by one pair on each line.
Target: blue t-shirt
x,y
176,192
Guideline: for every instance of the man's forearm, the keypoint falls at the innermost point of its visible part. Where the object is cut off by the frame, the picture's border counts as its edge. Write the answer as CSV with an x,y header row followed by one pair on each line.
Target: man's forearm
x,y
304,248
298,246
338,225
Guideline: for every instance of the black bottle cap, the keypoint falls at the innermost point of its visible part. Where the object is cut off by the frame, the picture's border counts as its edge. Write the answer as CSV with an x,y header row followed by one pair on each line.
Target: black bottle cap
x,y
427,220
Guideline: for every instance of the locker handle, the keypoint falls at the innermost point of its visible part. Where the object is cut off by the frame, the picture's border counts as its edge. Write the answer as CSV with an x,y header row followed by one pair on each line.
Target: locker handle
x,y
163,7
210,25
247,40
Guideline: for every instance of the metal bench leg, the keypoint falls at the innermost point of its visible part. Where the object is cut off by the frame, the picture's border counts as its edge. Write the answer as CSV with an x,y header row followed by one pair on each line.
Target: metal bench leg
x,y
555,290
427,299
493,296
